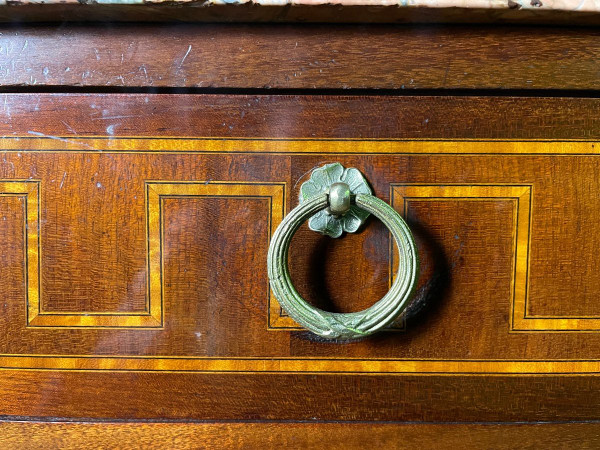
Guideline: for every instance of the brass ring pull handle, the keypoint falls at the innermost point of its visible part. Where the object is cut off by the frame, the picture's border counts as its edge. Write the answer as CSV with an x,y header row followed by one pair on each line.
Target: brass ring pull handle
x,y
332,201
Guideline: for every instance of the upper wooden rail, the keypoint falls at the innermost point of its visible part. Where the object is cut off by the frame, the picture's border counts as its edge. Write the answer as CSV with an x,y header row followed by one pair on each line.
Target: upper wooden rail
x,y
300,57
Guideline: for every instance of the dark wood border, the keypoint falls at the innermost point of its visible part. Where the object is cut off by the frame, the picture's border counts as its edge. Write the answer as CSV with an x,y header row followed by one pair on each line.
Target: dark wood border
x,y
298,435
304,116
313,56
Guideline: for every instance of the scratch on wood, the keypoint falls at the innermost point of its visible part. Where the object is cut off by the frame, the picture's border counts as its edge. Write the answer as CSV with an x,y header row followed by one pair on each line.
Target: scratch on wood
x,y
68,127
143,68
446,74
6,106
68,141
116,117
185,56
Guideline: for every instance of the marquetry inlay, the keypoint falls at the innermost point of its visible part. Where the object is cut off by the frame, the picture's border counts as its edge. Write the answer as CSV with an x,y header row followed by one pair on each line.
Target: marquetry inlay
x,y
515,198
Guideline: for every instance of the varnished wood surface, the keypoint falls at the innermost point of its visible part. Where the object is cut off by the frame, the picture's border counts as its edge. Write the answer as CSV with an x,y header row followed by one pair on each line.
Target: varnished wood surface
x,y
155,252
193,396
28,435
69,116
300,57
215,356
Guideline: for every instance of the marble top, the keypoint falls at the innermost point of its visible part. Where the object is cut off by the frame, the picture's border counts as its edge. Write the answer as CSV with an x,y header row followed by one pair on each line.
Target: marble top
x,y
564,12
561,5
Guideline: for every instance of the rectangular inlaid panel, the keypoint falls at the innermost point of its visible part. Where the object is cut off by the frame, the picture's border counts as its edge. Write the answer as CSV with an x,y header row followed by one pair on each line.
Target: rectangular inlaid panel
x,y
520,197
158,192
28,191
150,255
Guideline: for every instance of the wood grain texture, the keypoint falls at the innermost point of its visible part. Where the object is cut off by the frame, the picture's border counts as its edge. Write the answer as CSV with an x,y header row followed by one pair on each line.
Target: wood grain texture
x,y
307,57
93,178
30,435
68,116
190,396
464,221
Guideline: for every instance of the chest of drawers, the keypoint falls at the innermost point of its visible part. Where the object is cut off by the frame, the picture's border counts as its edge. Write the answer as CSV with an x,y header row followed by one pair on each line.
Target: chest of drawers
x,y
144,170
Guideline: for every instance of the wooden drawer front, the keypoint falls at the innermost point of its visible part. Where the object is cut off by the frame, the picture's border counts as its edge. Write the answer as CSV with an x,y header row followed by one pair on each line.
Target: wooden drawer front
x,y
126,258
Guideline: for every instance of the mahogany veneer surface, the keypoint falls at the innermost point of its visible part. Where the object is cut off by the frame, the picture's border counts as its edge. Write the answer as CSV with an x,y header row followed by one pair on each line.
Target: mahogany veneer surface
x,y
134,260
310,56
297,435
136,213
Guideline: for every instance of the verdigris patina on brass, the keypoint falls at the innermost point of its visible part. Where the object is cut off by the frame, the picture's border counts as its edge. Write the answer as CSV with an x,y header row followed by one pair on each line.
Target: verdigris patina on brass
x,y
336,200
328,222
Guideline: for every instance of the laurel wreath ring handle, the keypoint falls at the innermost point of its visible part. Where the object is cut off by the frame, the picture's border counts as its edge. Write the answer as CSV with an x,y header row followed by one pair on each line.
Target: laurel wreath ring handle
x,y
343,326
